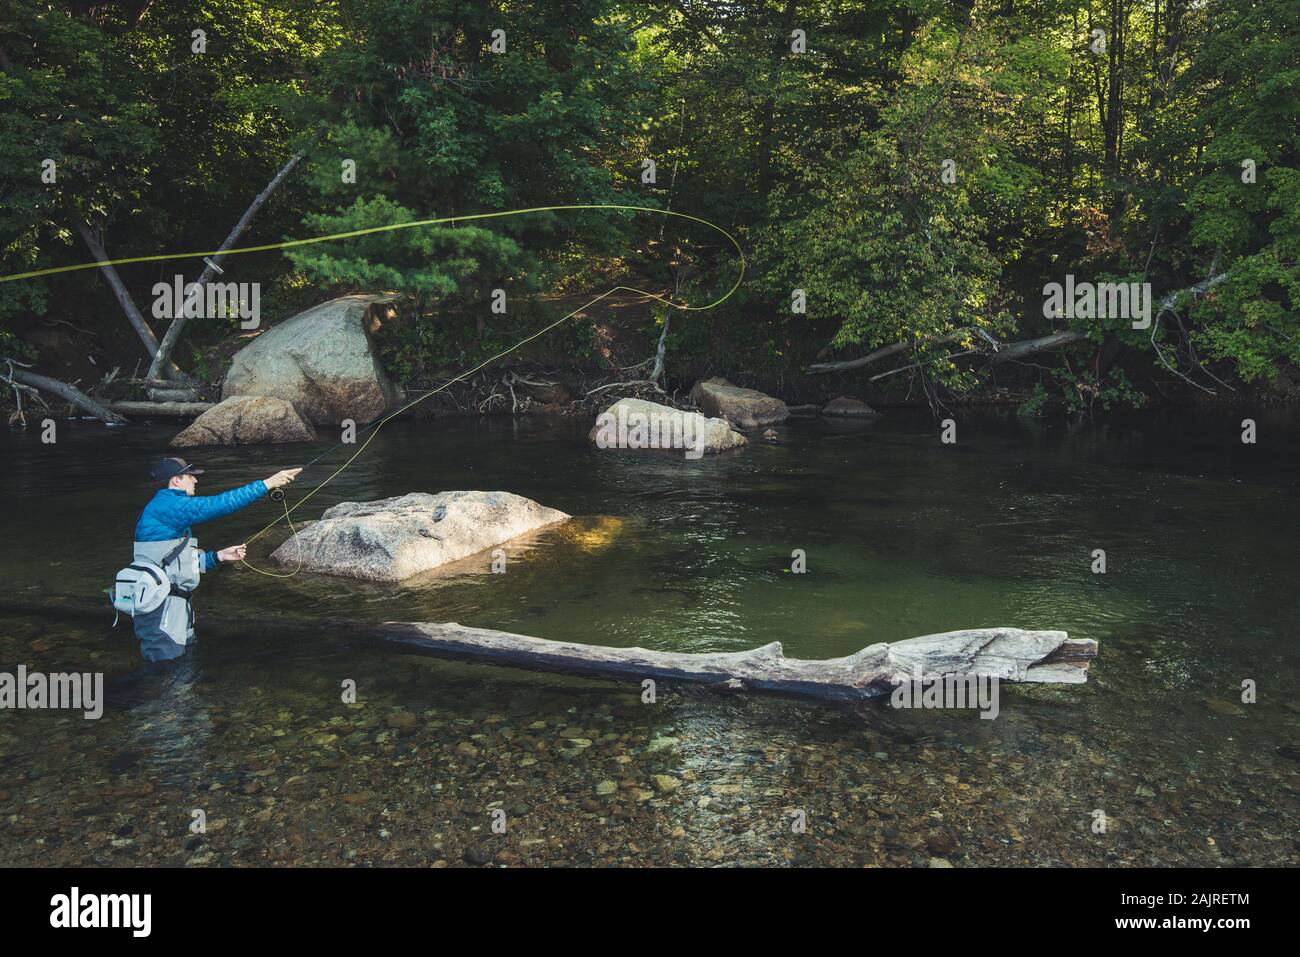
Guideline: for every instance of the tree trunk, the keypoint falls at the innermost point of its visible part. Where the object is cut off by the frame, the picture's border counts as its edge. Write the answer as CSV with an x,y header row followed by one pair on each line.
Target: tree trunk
x,y
170,409
173,395
884,352
1027,347
163,351
658,369
767,114
1008,654
1197,289
96,247
1012,350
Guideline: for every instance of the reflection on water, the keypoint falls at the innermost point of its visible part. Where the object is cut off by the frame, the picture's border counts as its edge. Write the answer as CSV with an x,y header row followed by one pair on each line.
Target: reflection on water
x,y
903,537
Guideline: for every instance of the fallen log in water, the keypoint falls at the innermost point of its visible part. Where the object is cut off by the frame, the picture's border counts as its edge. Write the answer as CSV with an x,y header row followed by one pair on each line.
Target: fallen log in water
x,y
173,395
1009,654
173,409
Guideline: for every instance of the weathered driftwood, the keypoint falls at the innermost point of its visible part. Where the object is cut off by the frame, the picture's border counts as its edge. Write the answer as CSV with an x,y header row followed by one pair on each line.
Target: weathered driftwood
x,y
1009,654
173,395
182,409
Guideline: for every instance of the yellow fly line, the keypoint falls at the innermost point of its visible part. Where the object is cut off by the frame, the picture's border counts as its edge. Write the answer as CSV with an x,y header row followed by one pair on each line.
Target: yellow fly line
x,y
469,372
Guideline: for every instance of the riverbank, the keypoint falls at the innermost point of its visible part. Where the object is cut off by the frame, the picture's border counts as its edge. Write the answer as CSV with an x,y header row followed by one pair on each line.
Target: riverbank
x,y
578,370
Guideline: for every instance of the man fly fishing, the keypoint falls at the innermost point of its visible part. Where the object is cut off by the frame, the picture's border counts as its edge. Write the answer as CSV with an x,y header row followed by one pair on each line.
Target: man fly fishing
x,y
165,547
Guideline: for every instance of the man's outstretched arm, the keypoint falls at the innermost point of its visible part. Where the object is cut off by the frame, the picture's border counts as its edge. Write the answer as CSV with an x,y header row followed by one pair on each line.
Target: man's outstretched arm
x,y
195,509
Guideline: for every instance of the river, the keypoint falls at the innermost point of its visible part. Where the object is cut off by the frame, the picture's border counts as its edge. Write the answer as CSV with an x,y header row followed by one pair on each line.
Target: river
x,y
1157,760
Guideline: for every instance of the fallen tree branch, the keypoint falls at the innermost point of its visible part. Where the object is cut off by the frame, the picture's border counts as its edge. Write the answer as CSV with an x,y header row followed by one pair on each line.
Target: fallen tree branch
x,y
172,395
1008,654
626,385
170,409
150,383
1199,289
1167,305
917,365
1013,350
104,383
540,385
884,352
64,391
1027,347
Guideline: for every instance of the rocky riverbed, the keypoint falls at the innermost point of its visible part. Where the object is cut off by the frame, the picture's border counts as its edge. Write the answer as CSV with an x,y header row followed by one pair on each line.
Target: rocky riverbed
x,y
439,764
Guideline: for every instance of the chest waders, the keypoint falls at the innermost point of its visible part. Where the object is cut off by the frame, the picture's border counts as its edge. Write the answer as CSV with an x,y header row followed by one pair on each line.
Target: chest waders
x,y
165,632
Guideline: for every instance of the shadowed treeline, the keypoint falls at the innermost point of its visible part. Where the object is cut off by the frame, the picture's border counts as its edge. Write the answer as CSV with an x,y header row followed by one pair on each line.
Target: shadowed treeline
x,y
906,175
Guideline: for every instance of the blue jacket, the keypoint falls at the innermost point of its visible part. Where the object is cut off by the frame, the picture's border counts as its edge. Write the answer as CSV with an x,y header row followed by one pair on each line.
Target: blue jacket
x,y
171,512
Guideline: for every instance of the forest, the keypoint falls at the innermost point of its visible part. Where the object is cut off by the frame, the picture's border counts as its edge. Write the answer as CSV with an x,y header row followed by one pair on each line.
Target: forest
x,y
907,178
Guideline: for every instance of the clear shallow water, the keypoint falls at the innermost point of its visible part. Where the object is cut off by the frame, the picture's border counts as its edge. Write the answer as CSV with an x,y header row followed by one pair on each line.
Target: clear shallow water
x,y
903,537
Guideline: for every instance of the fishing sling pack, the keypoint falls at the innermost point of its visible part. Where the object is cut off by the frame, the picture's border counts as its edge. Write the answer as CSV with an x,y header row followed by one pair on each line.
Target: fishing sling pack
x,y
143,586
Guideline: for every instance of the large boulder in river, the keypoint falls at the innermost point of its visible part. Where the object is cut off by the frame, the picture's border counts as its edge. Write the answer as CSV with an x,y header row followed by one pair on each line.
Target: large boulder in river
x,y
743,408
846,407
246,420
395,538
321,360
638,424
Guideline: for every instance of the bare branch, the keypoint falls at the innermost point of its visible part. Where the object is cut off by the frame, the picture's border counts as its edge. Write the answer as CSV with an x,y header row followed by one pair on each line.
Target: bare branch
x,y
884,352
64,391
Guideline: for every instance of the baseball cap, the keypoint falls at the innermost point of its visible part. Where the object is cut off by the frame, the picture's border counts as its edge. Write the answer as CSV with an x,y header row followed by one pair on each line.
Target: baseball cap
x,y
165,468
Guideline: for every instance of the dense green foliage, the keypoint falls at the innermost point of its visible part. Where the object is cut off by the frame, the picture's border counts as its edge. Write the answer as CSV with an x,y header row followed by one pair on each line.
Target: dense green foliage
x,y
921,167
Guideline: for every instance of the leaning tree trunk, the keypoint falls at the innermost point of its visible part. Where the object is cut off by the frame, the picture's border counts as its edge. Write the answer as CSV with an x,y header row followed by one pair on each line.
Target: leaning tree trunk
x,y
96,247
1028,347
1008,654
173,334
884,352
